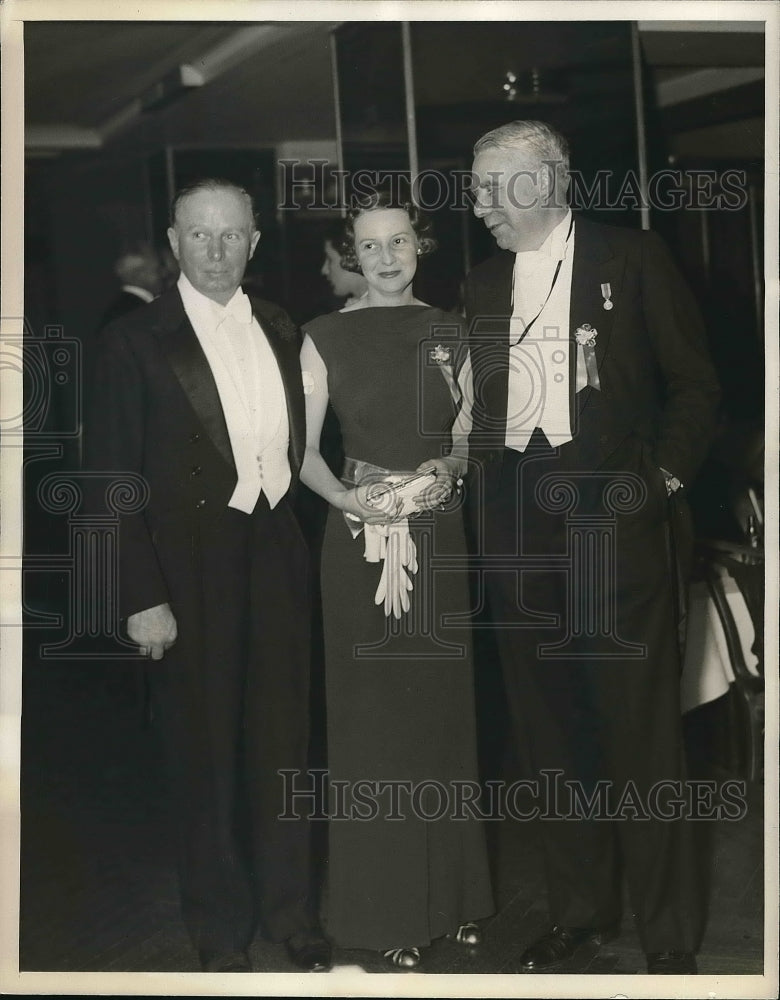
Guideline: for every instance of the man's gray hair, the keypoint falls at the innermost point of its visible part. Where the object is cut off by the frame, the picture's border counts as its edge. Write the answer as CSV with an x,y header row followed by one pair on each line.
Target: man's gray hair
x,y
210,184
539,137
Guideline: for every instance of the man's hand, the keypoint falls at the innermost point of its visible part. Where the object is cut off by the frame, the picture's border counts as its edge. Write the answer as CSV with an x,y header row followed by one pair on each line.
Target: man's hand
x,y
447,472
154,630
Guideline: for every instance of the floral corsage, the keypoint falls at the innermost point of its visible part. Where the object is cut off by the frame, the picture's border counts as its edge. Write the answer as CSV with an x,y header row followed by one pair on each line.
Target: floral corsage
x,y
585,335
441,355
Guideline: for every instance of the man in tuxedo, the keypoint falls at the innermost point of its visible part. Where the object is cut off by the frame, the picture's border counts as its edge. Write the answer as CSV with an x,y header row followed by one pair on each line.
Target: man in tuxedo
x,y
592,407
200,393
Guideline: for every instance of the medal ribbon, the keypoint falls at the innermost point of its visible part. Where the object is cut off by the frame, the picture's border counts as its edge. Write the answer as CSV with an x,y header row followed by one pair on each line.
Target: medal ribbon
x,y
589,353
552,286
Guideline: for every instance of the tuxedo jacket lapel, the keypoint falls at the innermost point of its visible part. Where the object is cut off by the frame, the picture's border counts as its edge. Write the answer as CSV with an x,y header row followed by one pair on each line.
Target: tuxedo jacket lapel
x,y
498,290
190,366
595,264
489,334
193,372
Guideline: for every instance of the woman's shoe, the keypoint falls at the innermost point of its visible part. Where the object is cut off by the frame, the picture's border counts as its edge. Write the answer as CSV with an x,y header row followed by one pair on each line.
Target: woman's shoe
x,y
469,935
403,958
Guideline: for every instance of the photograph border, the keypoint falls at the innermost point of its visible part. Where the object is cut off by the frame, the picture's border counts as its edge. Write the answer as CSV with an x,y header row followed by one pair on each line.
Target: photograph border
x,y
345,983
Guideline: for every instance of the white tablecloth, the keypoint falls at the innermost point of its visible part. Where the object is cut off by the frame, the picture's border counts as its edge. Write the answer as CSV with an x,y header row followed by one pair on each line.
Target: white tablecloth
x,y
707,670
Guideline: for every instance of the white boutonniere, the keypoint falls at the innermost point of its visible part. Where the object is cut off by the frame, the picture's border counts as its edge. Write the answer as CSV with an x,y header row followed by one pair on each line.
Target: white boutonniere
x,y
441,355
585,335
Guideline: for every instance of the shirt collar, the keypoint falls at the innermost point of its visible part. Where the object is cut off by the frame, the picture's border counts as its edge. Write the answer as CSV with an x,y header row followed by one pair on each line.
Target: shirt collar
x,y
201,305
553,248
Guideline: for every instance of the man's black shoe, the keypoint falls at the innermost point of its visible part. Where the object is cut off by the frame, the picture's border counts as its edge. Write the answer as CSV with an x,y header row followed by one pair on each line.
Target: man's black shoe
x,y
224,961
671,963
310,951
560,943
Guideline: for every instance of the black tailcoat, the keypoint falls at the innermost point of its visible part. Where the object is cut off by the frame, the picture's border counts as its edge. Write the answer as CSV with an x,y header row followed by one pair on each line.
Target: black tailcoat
x,y
233,690
602,704
657,379
124,303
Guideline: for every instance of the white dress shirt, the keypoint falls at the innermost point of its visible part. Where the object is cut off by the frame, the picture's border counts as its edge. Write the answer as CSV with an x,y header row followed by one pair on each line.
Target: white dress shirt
x,y
250,390
538,382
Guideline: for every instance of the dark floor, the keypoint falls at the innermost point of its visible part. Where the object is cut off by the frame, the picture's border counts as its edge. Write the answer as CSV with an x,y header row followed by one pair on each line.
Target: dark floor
x,y
98,885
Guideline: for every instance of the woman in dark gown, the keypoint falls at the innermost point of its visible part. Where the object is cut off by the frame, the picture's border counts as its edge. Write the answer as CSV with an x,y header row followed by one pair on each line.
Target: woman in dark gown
x,y
398,661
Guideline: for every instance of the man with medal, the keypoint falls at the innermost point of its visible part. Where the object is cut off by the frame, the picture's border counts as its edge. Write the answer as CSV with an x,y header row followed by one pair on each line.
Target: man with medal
x,y
593,402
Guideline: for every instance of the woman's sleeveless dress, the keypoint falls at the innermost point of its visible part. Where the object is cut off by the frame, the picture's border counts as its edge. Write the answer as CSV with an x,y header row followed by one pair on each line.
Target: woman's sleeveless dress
x,y
400,698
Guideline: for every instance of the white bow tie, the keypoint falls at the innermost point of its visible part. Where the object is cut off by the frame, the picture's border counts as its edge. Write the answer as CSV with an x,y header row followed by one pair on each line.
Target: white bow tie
x,y
240,308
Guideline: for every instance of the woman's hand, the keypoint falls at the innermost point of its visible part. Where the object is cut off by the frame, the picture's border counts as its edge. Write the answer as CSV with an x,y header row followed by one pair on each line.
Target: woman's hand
x,y
373,503
447,472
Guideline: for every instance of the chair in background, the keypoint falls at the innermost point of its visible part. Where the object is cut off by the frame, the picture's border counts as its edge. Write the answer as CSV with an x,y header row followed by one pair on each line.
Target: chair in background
x,y
745,565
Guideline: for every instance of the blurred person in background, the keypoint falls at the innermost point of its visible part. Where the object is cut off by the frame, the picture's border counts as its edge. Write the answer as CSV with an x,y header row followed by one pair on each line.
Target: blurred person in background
x,y
141,275
347,285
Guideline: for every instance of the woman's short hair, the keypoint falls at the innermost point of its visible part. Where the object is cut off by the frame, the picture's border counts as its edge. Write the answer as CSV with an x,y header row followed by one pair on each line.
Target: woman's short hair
x,y
371,202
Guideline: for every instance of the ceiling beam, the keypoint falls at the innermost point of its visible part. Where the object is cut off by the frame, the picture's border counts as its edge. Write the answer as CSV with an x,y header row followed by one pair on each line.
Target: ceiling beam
x,y
716,26
730,105
174,83
701,82
237,48
700,44
47,138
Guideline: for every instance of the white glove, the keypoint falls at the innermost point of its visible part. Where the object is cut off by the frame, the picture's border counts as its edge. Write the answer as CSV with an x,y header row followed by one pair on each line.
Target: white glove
x,y
375,539
397,547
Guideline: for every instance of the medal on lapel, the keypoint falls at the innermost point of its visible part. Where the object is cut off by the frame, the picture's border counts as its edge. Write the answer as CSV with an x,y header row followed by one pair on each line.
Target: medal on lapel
x,y
606,292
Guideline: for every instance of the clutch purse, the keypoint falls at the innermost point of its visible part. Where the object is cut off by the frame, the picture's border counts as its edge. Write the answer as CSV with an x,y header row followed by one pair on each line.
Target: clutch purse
x,y
385,494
